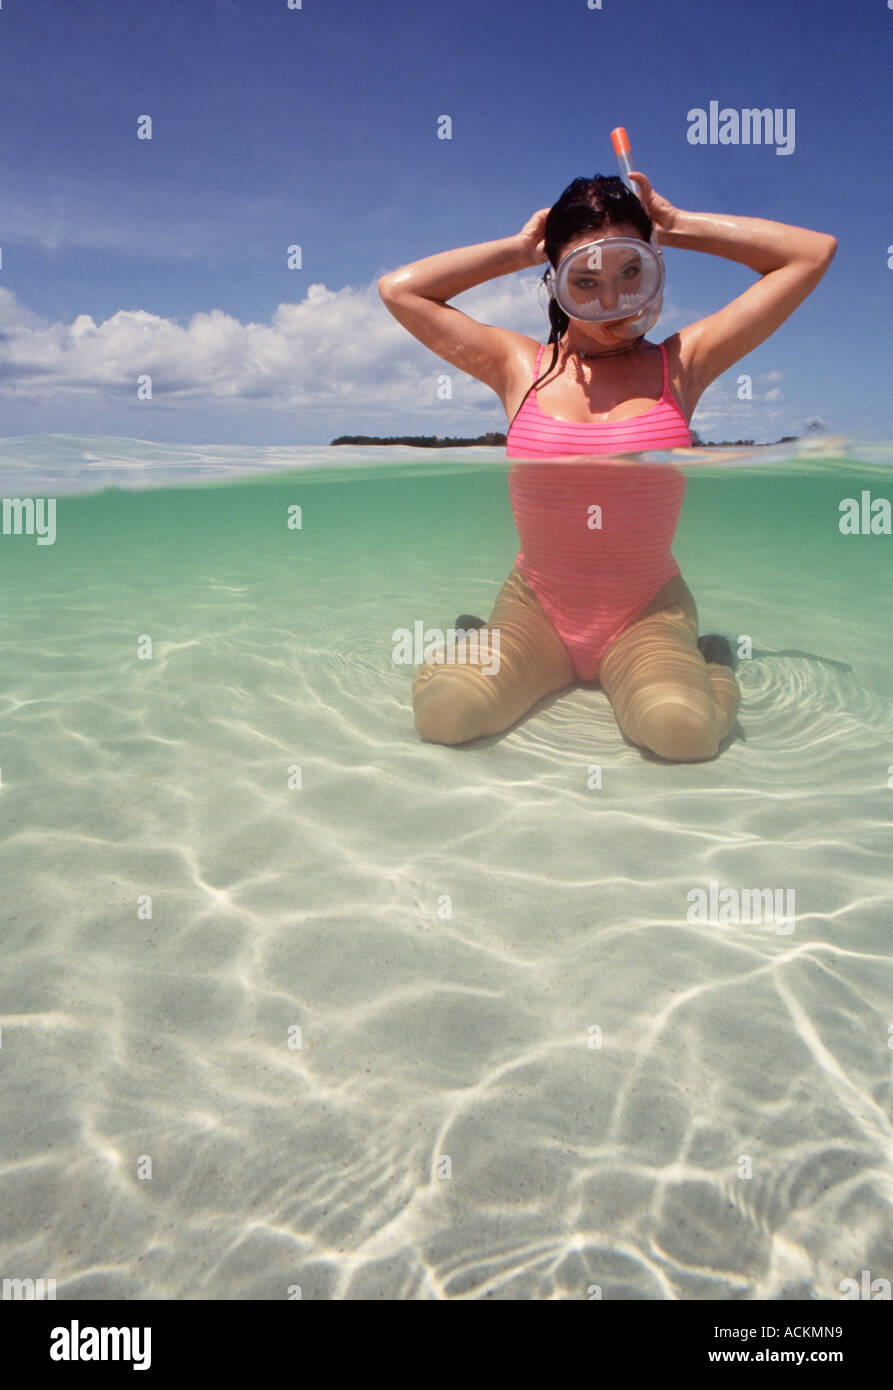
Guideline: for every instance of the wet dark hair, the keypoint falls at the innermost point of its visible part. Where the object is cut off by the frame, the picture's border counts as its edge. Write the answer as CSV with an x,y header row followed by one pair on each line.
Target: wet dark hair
x,y
586,205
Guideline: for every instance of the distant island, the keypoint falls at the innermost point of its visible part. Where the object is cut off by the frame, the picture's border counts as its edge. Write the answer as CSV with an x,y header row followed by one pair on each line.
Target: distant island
x,y
698,443
495,440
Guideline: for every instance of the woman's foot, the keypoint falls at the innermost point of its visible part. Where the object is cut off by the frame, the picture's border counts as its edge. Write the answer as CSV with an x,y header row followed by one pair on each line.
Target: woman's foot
x,y
714,648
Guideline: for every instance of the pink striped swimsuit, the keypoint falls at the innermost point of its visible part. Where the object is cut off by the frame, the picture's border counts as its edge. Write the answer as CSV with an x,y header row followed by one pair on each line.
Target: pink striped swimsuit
x,y
595,537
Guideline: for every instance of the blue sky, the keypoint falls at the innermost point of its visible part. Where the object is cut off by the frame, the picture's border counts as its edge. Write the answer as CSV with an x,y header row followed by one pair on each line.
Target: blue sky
x,y
318,127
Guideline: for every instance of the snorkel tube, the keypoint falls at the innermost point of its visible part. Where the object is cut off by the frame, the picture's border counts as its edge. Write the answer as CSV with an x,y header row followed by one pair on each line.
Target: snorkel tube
x,y
640,325
620,141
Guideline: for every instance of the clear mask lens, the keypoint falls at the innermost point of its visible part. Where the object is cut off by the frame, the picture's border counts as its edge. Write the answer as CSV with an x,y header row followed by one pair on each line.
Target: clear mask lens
x,y
615,278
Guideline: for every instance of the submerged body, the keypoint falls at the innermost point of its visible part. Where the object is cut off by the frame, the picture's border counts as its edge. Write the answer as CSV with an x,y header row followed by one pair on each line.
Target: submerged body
x,y
595,593
594,571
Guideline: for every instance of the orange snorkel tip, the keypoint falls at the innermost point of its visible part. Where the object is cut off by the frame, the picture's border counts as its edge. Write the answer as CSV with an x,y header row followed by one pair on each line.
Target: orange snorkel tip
x,y
620,141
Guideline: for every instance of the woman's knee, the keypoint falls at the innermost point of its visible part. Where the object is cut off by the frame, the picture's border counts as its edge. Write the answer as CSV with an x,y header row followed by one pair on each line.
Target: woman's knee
x,y
682,732
446,709
515,662
442,719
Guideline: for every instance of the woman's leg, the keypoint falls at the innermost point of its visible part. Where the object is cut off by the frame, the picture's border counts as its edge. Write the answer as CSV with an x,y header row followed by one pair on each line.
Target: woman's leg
x,y
454,702
664,695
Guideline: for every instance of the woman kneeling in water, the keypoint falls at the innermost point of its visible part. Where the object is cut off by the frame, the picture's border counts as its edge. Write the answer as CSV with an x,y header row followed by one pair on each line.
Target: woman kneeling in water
x,y
607,604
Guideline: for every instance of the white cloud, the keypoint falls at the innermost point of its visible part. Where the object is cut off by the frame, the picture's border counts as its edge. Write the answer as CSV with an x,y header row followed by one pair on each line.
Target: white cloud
x,y
331,347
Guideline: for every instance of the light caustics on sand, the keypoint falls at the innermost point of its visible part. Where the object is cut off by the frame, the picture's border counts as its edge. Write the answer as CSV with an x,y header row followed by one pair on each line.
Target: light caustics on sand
x,y
451,929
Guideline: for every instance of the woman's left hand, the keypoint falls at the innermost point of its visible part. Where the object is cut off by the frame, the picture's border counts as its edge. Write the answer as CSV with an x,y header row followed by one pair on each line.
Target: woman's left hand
x,y
662,213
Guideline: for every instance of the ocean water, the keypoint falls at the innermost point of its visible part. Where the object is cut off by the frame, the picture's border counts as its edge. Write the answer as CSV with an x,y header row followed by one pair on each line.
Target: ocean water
x,y
429,1022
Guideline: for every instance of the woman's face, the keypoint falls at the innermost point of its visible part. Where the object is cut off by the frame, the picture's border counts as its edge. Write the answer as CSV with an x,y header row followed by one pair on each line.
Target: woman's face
x,y
615,279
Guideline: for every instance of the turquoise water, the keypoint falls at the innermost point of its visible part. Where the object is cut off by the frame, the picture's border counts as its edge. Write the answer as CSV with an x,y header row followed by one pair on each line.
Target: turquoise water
x,y
523,1071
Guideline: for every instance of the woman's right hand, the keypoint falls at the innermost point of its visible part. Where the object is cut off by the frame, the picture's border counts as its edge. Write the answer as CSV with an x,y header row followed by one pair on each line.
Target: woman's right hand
x,y
531,235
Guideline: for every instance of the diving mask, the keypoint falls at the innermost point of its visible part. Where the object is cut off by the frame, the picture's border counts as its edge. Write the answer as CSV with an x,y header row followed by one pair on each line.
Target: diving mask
x,y
611,279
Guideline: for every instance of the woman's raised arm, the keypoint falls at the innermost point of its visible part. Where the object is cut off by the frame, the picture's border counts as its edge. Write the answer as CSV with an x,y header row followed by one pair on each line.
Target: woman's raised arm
x,y
416,295
789,260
